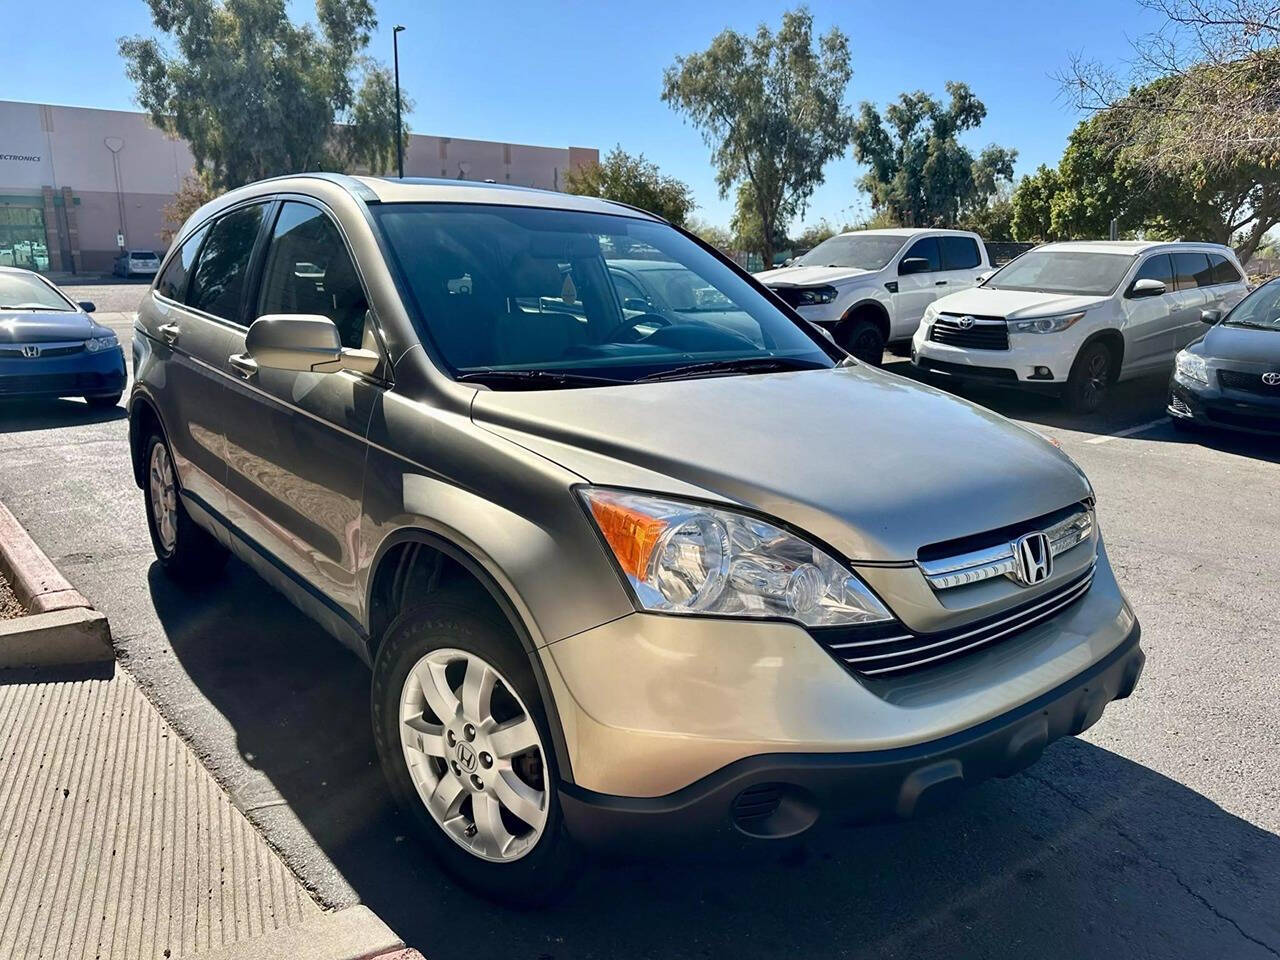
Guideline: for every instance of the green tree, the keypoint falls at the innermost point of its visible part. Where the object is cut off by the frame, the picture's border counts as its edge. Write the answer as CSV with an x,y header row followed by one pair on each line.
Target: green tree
x,y
254,94
921,174
994,219
367,140
635,181
718,237
771,107
748,231
1033,205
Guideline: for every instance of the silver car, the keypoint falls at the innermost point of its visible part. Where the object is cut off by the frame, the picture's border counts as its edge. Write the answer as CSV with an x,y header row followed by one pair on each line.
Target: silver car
x,y
618,576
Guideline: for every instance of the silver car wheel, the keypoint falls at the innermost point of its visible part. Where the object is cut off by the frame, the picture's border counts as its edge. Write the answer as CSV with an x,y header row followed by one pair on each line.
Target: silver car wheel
x,y
164,497
474,754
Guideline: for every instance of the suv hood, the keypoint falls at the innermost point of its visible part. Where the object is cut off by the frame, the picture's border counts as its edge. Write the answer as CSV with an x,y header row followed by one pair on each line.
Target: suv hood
x,y
871,463
811,276
1014,304
39,326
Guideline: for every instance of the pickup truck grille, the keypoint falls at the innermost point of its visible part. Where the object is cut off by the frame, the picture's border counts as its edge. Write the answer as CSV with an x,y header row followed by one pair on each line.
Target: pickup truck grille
x,y
985,333
898,650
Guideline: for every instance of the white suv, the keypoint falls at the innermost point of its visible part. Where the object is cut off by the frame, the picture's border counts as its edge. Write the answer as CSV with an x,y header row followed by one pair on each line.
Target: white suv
x,y
868,288
1074,318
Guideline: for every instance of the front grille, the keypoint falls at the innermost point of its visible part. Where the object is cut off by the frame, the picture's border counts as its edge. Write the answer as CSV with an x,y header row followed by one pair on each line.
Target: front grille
x,y
898,650
756,803
967,371
1248,382
57,383
58,350
986,333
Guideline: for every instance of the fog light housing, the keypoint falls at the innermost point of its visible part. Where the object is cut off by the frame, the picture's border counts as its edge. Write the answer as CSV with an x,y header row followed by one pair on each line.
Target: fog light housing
x,y
1041,373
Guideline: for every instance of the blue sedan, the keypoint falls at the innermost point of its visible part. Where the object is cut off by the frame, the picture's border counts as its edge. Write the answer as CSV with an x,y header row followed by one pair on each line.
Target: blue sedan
x,y
51,347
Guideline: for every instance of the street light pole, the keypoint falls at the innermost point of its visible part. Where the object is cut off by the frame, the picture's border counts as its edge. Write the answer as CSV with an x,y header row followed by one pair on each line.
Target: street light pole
x,y
395,45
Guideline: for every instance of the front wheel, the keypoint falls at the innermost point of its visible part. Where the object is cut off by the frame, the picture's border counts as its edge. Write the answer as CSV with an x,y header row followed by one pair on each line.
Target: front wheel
x,y
463,740
864,341
1090,379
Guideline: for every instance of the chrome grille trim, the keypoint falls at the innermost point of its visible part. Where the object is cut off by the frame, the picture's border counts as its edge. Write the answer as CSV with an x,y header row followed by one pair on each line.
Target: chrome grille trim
x,y
999,561
1039,611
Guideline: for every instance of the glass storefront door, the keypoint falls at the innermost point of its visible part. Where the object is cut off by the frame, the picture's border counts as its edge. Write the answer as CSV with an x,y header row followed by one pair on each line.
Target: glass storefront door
x,y
22,238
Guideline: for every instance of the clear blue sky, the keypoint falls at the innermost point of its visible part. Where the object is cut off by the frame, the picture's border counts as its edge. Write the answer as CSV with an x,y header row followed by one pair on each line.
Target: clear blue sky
x,y
574,72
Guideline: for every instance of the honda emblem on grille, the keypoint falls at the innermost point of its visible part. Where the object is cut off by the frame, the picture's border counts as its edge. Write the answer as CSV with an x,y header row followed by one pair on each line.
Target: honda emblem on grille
x,y
966,323
1271,379
31,351
1032,559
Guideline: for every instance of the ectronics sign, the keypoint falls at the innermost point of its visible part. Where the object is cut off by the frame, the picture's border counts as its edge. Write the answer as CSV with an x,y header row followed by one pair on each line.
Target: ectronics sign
x,y
24,157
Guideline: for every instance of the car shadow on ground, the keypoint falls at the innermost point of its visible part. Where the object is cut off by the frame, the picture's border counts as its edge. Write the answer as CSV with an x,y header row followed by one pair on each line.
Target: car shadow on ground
x,y
1134,403
17,416
1083,854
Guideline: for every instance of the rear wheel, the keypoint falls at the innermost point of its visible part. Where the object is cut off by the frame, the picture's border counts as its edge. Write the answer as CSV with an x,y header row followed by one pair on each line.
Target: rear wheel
x,y
464,743
185,550
863,339
1090,379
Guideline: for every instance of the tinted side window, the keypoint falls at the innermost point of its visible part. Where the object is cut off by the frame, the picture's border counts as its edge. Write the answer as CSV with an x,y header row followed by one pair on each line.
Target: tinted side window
x,y
173,282
1159,268
218,281
959,253
1192,270
926,249
1223,271
309,271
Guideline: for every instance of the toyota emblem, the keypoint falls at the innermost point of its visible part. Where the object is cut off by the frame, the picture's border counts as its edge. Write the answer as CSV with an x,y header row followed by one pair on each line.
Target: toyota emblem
x,y
31,351
1271,378
966,323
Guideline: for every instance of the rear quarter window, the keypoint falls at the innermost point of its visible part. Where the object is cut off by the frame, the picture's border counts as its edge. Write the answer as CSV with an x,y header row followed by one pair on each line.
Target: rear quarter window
x,y
173,281
1223,271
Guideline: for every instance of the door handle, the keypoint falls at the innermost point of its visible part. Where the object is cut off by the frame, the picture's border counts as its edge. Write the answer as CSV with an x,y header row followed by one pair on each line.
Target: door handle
x,y
939,283
170,332
244,364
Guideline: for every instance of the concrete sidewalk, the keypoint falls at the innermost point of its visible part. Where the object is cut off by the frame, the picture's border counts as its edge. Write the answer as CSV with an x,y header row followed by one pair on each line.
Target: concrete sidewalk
x,y
116,843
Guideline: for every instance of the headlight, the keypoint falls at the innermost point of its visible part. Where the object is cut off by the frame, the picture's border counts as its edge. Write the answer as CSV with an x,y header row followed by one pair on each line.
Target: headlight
x,y
930,315
808,296
1045,324
688,558
101,343
1191,366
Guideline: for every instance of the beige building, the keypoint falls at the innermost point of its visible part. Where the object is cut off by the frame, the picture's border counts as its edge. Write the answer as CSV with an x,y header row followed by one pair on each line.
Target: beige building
x,y
77,185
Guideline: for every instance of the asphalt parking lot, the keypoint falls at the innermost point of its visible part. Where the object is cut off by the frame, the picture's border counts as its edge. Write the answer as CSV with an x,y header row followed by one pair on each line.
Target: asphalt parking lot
x,y
1157,833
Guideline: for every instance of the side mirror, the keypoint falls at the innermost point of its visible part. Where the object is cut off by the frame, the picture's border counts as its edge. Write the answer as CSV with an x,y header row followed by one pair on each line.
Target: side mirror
x,y
299,341
1210,316
87,306
636,303
1147,288
913,265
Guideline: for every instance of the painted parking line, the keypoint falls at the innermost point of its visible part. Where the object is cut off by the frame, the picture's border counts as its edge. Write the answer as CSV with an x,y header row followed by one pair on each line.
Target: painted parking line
x,y
1129,431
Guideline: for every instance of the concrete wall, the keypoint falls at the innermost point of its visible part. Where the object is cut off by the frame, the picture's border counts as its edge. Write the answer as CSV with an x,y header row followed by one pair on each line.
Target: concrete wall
x,y
126,190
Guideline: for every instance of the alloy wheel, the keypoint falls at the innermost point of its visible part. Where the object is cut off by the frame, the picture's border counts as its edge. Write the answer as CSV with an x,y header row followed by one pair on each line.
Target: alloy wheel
x,y
1098,374
474,754
164,497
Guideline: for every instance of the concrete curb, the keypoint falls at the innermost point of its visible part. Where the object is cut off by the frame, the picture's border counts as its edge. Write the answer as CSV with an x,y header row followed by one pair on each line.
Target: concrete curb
x,y
356,933
61,626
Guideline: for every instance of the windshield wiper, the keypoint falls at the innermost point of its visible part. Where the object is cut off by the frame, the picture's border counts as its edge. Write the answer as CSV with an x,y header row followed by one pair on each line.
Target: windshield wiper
x,y
32,307
743,365
536,379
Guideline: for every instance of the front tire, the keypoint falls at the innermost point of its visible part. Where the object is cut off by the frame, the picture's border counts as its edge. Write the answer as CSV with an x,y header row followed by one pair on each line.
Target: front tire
x,y
1090,380
185,550
863,340
465,746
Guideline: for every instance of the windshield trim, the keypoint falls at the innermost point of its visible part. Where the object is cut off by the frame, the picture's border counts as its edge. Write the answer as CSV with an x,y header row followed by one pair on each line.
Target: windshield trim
x,y
990,284
420,331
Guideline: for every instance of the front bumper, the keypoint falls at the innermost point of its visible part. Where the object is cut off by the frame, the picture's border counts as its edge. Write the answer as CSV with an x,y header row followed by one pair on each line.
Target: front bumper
x,y
783,794
1035,361
1211,406
81,374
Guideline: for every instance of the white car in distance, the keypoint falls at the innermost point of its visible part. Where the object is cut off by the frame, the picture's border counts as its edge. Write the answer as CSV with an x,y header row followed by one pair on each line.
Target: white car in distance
x,y
1075,318
869,288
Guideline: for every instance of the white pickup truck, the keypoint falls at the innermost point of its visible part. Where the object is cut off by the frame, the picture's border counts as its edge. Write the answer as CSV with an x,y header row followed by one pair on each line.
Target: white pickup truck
x,y
869,288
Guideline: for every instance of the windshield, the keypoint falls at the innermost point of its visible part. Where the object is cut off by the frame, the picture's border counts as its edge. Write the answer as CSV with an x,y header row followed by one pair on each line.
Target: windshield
x,y
865,251
1063,271
511,290
1261,309
23,291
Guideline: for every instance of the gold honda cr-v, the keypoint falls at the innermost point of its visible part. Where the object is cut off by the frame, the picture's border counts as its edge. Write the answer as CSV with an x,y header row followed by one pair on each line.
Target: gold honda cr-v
x,y
633,551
